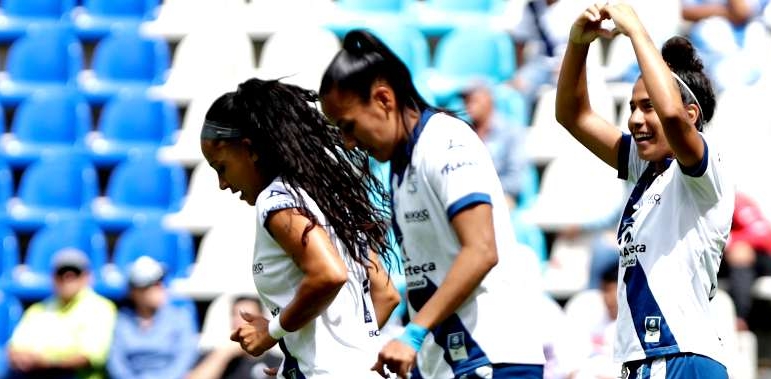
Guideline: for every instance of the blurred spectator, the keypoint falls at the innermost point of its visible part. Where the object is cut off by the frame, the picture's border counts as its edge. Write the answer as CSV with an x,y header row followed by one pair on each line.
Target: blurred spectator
x,y
153,337
502,136
67,335
747,254
731,38
229,361
599,324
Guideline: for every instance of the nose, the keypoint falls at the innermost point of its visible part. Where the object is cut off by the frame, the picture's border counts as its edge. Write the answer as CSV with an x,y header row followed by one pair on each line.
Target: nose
x,y
636,119
223,183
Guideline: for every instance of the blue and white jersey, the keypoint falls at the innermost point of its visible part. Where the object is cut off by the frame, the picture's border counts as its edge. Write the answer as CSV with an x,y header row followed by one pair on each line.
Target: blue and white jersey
x,y
343,341
671,237
449,169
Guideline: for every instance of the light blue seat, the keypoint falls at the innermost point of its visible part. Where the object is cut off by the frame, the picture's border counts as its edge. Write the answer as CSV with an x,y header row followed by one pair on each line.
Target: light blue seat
x,y
355,14
10,313
34,281
47,122
58,185
530,235
47,57
9,257
172,248
470,53
407,42
139,189
435,18
132,123
20,14
125,60
97,18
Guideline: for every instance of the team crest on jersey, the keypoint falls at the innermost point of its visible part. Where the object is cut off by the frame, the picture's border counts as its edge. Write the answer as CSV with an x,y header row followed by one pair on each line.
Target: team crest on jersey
x,y
652,329
456,346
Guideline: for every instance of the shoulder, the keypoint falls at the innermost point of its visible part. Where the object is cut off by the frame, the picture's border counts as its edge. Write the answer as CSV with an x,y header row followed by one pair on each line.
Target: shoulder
x,y
274,197
444,132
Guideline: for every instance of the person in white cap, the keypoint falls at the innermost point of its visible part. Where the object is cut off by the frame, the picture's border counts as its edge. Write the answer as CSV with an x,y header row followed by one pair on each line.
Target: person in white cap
x,y
67,334
153,338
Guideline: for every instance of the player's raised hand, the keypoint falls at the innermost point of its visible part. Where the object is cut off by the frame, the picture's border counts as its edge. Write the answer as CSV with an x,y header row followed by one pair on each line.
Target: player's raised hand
x,y
624,16
588,26
253,336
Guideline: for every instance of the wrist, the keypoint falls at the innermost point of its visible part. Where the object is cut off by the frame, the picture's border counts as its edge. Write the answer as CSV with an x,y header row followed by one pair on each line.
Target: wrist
x,y
275,330
413,336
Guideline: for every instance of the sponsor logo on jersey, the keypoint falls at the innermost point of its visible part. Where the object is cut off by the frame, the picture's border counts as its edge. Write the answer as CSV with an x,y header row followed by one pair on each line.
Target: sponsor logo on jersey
x,y
274,311
415,269
257,268
628,249
416,216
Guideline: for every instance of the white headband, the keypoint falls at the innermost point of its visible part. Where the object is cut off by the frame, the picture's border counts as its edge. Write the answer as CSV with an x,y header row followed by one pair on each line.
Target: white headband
x,y
680,80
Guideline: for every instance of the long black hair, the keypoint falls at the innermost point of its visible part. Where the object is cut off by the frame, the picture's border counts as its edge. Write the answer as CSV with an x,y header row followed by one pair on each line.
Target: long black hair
x,y
363,60
294,140
682,59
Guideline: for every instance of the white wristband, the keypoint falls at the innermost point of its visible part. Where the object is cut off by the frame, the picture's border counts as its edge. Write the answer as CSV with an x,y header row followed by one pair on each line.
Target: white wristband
x,y
275,329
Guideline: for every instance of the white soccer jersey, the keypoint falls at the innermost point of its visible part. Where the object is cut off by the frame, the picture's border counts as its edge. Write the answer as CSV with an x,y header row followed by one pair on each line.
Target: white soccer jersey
x,y
671,237
450,169
343,341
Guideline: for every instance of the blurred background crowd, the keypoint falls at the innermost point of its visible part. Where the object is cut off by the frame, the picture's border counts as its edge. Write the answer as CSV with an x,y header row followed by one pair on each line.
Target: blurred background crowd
x,y
121,258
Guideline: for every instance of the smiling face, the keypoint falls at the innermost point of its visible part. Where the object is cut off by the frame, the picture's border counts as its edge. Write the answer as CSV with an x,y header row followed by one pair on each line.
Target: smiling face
x,y
645,126
235,166
373,126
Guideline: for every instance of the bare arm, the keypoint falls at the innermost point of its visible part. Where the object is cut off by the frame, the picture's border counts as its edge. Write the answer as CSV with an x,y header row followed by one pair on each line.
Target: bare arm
x,y
676,119
324,271
215,363
477,256
573,109
385,297
736,11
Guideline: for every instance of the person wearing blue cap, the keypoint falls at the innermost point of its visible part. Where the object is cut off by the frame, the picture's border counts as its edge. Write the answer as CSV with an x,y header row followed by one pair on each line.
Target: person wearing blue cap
x,y
68,334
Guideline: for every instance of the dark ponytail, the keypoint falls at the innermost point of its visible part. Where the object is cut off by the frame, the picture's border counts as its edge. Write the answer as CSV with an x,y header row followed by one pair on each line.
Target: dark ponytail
x,y
293,140
683,60
365,59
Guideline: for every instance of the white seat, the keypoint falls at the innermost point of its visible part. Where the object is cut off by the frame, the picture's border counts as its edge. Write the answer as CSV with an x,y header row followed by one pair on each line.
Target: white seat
x,y
576,189
547,139
176,18
740,346
224,259
186,149
205,204
262,18
298,56
209,59
567,271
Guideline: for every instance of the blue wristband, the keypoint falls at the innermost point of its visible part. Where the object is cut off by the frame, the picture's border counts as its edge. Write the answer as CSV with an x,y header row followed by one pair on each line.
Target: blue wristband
x,y
413,336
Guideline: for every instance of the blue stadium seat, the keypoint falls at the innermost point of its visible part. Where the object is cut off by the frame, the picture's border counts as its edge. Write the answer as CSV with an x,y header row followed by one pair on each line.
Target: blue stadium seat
x,y
408,43
97,18
435,18
139,189
172,248
9,258
463,5
58,185
46,58
10,313
125,60
468,53
353,14
132,123
20,14
33,282
48,121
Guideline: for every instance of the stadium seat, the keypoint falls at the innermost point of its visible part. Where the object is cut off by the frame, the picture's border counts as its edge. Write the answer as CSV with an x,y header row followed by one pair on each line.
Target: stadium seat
x,y
32,280
172,248
176,18
262,18
186,149
299,56
467,53
132,123
435,18
407,42
6,188
9,257
59,184
11,310
209,59
48,57
224,259
125,60
205,204
18,15
138,189
531,236
353,14
97,18
48,121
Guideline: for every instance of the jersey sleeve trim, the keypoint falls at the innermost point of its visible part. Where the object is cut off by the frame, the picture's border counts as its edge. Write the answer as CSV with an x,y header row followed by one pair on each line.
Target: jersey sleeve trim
x,y
700,168
467,201
623,156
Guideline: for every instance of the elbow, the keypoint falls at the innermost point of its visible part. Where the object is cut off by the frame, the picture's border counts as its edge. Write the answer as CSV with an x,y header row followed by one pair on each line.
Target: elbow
x,y
489,257
331,280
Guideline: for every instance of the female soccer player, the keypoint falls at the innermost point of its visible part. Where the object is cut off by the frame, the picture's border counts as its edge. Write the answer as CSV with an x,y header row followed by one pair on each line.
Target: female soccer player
x,y
312,267
678,216
469,292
